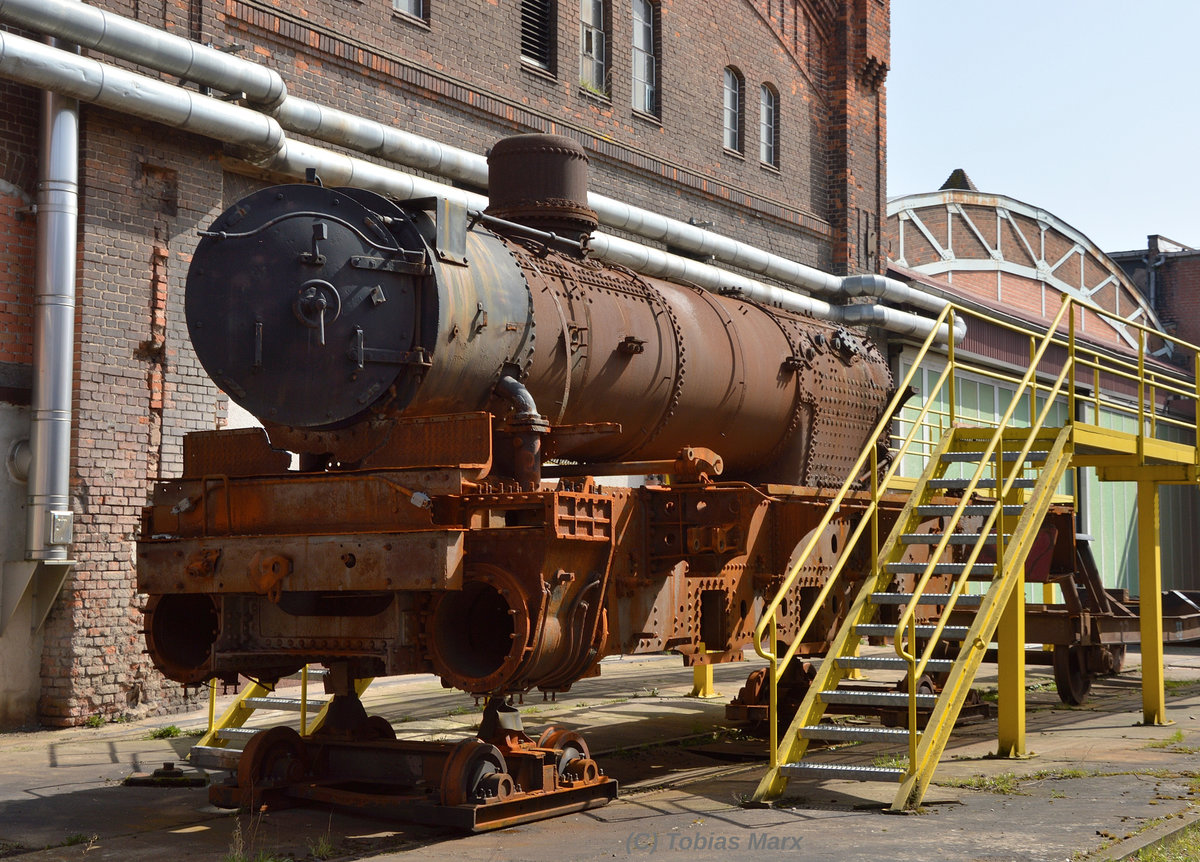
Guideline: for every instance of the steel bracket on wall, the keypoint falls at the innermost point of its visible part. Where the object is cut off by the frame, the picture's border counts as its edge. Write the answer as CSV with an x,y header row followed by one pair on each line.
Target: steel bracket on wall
x,y
43,579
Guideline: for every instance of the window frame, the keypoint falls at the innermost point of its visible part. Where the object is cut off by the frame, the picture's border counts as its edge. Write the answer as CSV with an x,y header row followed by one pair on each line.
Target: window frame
x,y
539,24
733,113
600,85
768,125
646,72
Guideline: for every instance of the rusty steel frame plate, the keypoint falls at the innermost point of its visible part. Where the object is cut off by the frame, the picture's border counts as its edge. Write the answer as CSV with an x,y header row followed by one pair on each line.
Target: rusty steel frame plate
x,y
412,560
415,808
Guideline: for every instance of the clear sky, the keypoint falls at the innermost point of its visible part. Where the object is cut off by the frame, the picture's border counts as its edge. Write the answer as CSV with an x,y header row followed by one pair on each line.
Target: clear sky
x,y
1089,109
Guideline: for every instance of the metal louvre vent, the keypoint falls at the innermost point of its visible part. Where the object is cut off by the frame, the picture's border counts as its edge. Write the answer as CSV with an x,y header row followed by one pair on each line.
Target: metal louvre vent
x,y
537,31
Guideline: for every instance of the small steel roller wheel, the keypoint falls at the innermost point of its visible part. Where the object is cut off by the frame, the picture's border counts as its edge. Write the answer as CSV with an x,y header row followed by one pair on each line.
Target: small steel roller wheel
x,y
569,745
272,758
472,770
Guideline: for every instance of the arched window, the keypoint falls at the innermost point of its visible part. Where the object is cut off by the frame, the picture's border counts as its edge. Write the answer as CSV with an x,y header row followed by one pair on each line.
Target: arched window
x,y
768,126
735,111
645,57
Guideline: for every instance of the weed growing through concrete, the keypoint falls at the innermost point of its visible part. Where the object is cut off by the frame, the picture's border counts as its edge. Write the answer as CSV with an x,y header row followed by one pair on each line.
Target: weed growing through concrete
x,y
168,732
1174,739
1184,846
1005,783
96,720
890,761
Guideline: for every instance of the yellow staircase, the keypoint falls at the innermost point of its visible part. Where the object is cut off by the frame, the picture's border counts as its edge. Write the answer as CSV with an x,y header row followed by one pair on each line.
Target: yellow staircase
x,y
1008,530
989,489
221,746
1017,465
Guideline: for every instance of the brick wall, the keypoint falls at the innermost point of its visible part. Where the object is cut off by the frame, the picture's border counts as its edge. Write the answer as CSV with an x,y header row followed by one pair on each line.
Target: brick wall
x,y
139,389
457,79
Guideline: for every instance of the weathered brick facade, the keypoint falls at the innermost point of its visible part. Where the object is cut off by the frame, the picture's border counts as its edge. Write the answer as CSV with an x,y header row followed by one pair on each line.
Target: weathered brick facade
x,y
458,78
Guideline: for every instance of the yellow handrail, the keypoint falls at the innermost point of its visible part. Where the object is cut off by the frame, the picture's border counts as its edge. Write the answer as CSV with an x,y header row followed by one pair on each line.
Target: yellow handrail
x,y
1152,382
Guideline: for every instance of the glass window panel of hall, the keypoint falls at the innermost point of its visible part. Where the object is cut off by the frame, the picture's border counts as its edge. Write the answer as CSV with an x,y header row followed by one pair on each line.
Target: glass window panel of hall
x,y
593,47
733,110
537,33
645,58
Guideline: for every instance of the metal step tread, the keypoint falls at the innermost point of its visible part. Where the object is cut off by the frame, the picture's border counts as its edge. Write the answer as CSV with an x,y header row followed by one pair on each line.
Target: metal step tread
x,y
941,568
288,704
214,757
890,699
955,538
239,732
805,769
982,483
854,733
961,456
938,510
892,662
966,600
952,633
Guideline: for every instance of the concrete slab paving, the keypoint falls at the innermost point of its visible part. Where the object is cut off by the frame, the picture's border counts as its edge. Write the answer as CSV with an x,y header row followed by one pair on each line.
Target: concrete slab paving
x,y
1099,785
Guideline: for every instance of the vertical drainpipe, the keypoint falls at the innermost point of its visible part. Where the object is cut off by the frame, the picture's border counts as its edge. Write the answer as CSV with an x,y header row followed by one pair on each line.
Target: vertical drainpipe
x,y
48,508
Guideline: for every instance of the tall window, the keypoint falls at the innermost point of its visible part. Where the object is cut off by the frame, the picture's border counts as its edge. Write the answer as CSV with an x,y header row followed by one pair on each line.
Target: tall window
x,y
645,57
734,109
768,126
593,46
537,33
414,8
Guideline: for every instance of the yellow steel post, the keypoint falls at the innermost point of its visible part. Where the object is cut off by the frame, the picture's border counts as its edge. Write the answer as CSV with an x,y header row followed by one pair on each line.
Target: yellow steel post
x,y
773,701
950,359
702,677
1196,407
212,705
304,701
1154,706
1033,386
1010,637
1141,415
1071,361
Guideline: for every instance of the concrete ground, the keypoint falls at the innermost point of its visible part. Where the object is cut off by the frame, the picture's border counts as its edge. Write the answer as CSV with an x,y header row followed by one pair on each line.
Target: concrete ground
x,y
1099,787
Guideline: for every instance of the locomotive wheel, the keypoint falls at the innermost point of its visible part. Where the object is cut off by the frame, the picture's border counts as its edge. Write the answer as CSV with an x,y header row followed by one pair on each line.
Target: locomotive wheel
x,y
473,767
568,743
1071,675
272,757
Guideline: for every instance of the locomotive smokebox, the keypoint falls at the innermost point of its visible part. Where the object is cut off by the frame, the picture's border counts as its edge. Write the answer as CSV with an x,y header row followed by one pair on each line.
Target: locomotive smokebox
x,y
540,181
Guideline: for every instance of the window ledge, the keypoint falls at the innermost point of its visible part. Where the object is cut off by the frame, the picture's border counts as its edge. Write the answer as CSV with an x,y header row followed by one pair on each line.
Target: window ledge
x,y
741,157
533,68
652,119
593,96
770,168
420,23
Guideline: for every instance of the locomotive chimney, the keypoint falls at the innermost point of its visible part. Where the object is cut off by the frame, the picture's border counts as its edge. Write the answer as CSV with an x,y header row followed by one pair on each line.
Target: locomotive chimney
x,y
540,181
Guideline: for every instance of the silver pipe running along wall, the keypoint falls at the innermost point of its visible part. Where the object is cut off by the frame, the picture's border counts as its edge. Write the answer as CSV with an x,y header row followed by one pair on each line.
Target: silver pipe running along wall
x,y
131,40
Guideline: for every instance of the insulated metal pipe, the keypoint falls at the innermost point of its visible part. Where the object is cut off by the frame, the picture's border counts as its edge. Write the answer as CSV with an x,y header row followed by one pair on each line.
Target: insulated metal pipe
x,y
29,62
35,64
48,513
121,37
130,40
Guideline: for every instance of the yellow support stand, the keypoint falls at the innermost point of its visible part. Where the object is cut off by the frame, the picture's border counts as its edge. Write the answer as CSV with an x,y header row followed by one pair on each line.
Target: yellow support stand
x,y
1010,638
1154,704
702,678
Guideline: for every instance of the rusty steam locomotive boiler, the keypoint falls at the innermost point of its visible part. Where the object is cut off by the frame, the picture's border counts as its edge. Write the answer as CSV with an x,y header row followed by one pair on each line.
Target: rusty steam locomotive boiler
x,y
456,385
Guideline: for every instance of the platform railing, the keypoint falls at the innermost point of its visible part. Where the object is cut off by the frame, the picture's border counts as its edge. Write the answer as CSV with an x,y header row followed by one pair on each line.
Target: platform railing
x,y
1157,386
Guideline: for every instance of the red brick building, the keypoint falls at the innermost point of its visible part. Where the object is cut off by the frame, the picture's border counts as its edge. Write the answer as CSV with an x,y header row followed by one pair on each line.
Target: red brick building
x,y
763,118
